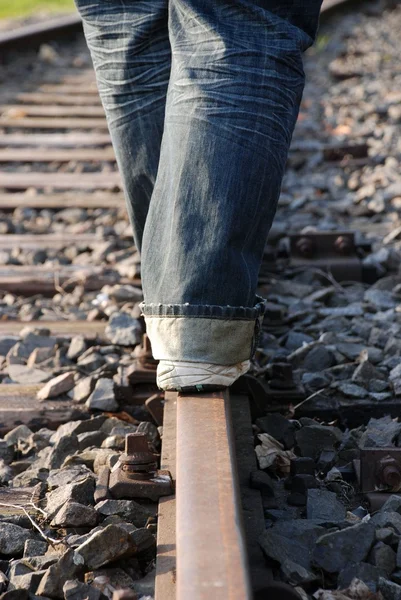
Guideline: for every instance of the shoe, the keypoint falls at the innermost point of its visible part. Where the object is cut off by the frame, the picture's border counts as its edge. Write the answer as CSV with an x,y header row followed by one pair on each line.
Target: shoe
x,y
188,376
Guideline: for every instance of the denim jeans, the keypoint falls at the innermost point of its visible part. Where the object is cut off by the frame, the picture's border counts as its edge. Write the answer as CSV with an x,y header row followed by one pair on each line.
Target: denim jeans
x,y
201,98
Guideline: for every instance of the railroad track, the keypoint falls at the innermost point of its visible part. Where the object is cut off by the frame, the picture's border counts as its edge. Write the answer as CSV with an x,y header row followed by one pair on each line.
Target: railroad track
x,y
57,154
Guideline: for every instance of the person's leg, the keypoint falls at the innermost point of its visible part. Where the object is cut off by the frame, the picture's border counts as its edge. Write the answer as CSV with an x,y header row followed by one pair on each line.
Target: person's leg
x,y
235,88
131,54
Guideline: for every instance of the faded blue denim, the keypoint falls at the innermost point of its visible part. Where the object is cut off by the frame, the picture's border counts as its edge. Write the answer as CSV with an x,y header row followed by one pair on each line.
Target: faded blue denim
x,y
201,99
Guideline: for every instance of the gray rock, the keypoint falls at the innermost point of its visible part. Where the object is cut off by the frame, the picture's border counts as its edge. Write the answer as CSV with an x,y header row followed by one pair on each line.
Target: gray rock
x,y
318,359
41,355
105,546
30,342
62,477
278,427
57,386
92,361
103,396
7,342
396,576
116,442
105,458
20,433
123,430
12,539
6,472
30,477
398,557
77,347
351,390
312,439
334,551
35,548
29,581
18,567
296,339
64,430
42,561
381,299
65,446
77,427
86,457
383,557
127,509
83,389
380,433
6,451
291,540
3,582
315,381
377,385
117,578
27,375
395,373
387,519
393,347
350,350
294,574
381,397
125,293
74,514
145,587
81,492
16,595
91,438
322,504
387,535
389,590
112,422
123,330
363,571
374,355
365,372
351,310
76,590
146,427
69,566
143,539
393,504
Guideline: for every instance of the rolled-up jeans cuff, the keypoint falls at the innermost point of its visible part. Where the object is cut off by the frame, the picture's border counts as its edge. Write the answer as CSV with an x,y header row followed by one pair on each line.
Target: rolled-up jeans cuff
x,y
222,335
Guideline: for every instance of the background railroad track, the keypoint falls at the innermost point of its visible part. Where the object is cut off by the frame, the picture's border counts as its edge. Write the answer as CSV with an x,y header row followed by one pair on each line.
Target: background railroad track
x,y
64,236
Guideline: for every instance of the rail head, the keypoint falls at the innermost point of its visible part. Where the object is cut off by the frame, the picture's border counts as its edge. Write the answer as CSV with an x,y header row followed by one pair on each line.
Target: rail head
x,y
211,550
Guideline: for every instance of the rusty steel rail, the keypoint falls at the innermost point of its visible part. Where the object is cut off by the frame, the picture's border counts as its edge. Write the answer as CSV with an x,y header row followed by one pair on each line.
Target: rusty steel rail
x,y
202,548
166,563
36,34
211,554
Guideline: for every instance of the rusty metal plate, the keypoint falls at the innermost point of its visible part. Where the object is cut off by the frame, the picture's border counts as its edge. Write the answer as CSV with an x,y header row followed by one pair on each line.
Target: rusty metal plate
x,y
335,251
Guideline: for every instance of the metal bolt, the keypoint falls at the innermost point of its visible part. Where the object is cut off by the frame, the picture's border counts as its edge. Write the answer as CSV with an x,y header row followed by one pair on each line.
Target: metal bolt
x,y
282,371
305,246
136,443
281,376
137,458
389,472
343,245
